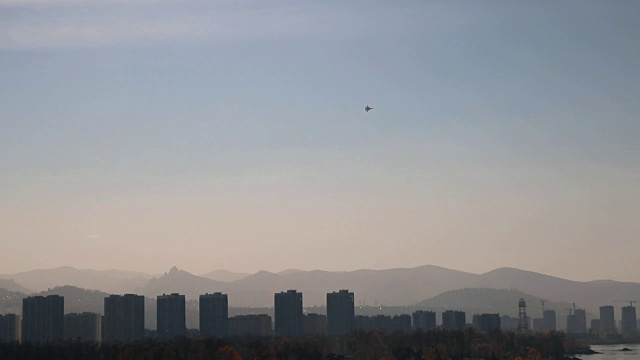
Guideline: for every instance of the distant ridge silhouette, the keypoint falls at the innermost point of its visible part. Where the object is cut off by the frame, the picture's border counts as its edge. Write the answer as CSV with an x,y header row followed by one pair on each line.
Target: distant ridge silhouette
x,y
399,287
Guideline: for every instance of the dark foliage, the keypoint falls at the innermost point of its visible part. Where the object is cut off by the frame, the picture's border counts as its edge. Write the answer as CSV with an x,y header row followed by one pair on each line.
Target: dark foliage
x,y
435,344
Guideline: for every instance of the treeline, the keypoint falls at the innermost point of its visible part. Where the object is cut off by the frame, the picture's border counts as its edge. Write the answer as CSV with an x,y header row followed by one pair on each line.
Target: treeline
x,y
430,345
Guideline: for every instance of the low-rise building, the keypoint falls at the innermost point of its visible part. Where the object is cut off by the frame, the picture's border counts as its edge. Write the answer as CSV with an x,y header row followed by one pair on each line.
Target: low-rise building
x,y
250,325
84,326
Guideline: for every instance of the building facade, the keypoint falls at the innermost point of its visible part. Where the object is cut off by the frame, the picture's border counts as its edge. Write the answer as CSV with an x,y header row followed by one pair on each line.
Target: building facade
x,y
384,323
453,320
629,323
486,322
42,319
314,324
250,325
508,323
607,320
9,328
123,319
214,315
171,316
288,313
577,322
84,327
549,320
423,320
340,312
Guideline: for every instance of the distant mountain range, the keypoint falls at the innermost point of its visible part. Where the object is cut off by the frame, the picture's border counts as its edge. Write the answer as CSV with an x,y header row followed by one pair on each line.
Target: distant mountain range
x,y
224,275
11,285
113,281
391,287
488,301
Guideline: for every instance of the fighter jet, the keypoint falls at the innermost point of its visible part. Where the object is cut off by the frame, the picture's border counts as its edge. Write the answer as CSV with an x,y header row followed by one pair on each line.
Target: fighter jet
x,y
366,109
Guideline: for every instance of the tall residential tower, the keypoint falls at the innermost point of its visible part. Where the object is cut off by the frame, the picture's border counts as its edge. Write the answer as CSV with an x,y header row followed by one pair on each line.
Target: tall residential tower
x,y
214,315
42,319
340,312
288,313
171,316
123,319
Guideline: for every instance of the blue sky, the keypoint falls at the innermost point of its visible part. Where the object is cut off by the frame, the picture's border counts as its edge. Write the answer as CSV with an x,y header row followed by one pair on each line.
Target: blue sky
x,y
231,134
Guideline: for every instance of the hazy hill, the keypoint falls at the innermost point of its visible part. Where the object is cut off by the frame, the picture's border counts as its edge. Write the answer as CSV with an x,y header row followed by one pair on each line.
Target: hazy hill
x,y
495,301
589,295
290,271
482,300
256,290
75,299
79,300
224,275
113,281
182,282
507,277
390,287
402,287
10,285
391,291
11,301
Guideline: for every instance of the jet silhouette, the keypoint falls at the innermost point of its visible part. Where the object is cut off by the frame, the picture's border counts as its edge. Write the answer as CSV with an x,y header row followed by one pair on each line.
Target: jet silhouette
x,y
368,108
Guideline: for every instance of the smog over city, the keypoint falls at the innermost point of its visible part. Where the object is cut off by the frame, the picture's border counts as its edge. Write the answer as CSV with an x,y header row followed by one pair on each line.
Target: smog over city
x,y
423,155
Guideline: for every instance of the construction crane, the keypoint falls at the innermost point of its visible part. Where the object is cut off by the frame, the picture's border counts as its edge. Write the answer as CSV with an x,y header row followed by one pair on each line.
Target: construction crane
x,y
627,301
570,310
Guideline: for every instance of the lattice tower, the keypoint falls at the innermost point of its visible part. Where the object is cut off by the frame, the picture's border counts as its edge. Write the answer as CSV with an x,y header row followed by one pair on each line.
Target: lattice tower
x,y
523,320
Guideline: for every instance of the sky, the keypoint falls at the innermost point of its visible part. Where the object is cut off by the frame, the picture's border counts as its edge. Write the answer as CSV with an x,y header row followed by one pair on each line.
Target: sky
x,y
139,135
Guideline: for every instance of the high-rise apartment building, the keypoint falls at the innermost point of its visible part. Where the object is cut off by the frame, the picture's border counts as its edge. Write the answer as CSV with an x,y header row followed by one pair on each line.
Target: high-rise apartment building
x,y
453,320
42,319
123,319
171,316
596,327
486,322
9,328
607,320
85,327
424,320
214,315
288,313
577,322
629,323
401,322
340,312
549,320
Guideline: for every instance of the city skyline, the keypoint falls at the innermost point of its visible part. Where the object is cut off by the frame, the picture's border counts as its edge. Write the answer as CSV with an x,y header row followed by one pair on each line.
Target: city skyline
x,y
232,135
44,317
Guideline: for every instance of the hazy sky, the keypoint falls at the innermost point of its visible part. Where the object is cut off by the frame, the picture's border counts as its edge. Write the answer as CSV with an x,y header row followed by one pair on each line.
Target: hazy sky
x,y
232,135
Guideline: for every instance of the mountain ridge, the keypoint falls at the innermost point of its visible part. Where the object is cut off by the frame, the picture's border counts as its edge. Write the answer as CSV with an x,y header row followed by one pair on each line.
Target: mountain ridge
x,y
116,281
396,287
